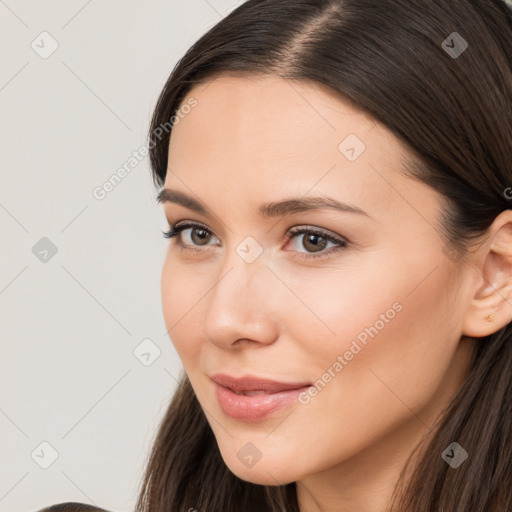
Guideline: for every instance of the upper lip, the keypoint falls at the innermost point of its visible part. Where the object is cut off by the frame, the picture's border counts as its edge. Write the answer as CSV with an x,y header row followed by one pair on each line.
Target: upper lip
x,y
253,383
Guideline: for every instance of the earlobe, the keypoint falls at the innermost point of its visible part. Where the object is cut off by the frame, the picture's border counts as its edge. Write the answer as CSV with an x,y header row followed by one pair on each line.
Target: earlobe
x,y
491,307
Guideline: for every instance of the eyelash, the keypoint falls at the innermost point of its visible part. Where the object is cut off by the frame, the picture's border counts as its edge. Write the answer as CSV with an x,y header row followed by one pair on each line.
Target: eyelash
x,y
341,243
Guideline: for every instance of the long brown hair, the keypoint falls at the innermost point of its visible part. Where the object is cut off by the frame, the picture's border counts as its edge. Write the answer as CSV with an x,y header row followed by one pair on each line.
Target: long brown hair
x,y
390,59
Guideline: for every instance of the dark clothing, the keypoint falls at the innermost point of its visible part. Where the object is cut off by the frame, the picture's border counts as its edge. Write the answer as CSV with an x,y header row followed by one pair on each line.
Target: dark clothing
x,y
72,507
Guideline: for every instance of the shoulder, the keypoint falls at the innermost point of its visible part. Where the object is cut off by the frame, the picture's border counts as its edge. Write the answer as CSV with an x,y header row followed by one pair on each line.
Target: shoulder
x,y
72,507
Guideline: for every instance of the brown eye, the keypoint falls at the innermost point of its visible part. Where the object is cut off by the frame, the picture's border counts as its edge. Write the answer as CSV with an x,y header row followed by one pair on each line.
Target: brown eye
x,y
198,236
314,242
202,235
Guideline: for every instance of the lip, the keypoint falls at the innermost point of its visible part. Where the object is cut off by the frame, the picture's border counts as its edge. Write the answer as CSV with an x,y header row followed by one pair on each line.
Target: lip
x,y
253,383
276,396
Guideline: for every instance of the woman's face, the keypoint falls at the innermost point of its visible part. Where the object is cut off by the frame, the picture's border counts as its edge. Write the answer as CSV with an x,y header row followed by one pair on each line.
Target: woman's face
x,y
373,325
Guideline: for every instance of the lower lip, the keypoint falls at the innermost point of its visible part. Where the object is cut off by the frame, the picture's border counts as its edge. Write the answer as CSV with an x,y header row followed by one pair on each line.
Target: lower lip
x,y
257,407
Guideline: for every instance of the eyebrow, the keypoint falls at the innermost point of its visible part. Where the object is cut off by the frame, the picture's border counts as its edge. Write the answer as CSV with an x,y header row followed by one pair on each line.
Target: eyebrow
x,y
275,209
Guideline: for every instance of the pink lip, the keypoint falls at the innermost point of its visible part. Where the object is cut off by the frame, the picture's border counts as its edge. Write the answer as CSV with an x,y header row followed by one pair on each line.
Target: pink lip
x,y
253,383
254,408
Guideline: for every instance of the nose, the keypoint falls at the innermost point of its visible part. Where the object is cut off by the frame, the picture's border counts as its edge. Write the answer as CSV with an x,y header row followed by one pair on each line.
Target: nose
x,y
242,307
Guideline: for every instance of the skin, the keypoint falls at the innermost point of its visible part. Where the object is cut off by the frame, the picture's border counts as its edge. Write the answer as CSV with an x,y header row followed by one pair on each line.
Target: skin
x,y
253,141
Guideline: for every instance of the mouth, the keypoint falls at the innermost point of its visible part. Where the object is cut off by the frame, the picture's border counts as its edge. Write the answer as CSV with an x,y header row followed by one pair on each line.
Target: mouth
x,y
252,399
251,385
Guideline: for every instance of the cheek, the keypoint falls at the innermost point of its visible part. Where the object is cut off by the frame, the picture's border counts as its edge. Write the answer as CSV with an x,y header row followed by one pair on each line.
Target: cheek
x,y
390,350
335,309
181,294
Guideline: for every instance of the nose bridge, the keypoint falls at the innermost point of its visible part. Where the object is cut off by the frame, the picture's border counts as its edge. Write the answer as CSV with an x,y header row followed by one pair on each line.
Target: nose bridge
x,y
239,305
243,274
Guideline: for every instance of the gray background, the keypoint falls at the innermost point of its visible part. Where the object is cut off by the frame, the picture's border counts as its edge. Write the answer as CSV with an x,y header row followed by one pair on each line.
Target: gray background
x,y
71,320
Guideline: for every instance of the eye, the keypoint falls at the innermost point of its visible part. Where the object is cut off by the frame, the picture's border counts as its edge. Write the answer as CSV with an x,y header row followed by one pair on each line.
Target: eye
x,y
316,240
199,234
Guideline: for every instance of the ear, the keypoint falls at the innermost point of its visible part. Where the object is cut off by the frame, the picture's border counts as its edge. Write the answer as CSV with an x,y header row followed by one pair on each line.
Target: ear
x,y
491,306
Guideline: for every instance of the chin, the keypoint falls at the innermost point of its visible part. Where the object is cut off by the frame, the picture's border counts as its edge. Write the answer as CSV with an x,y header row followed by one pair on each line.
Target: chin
x,y
263,476
263,472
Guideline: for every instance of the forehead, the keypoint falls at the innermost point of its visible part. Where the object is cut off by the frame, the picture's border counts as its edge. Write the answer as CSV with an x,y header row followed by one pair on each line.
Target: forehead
x,y
249,111
269,137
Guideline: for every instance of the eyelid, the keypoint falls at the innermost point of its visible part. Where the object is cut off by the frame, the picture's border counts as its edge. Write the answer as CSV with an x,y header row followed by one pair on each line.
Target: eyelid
x,y
293,230
329,235
182,225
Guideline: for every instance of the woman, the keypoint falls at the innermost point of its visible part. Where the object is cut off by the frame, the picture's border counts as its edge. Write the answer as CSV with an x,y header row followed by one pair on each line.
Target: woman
x,y
346,165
